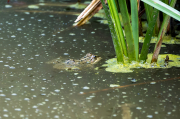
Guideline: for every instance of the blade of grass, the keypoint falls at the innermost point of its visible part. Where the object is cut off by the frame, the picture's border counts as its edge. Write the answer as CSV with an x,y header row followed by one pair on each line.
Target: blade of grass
x,y
148,10
164,8
135,27
117,44
127,29
161,34
117,24
146,44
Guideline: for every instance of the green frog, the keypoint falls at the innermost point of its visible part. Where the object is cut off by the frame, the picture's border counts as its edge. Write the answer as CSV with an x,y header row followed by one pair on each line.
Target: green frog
x,y
72,64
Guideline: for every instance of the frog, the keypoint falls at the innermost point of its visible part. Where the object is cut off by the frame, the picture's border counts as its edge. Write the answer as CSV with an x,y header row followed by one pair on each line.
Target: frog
x,y
76,64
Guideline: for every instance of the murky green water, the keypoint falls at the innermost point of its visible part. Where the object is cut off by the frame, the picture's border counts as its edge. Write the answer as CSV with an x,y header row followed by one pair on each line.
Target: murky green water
x,y
32,89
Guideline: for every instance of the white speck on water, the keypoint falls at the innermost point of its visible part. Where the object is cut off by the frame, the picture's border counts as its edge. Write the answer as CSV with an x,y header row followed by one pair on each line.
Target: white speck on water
x,y
123,92
56,116
33,7
9,57
6,65
156,112
85,87
43,94
66,54
75,84
13,36
32,89
32,17
140,100
42,34
51,15
57,90
6,115
150,116
22,18
16,15
41,4
12,67
92,32
99,103
114,115
25,85
29,68
23,54
81,92
60,37
72,34
84,40
138,108
39,19
5,110
13,94
62,41
153,83
1,61
76,73
19,45
37,55
74,40
83,51
79,77
44,79
114,85
26,12
27,99
85,112
43,88
145,88
19,29
17,109
166,73
8,6
34,106
2,95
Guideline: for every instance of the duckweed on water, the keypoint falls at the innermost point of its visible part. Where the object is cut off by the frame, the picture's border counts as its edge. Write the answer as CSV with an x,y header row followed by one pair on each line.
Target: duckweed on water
x,y
112,65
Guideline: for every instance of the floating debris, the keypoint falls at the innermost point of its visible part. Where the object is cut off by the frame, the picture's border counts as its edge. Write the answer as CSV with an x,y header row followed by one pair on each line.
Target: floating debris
x,y
114,85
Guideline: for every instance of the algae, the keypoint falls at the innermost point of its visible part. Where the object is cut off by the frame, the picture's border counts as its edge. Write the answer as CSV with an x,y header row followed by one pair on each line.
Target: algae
x,y
127,67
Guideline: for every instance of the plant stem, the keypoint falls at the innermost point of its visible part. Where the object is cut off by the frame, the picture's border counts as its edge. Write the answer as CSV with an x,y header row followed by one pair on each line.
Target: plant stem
x,y
128,30
117,44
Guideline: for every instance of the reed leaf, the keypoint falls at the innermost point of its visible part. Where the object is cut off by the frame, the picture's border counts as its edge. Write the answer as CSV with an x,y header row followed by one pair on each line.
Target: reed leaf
x,y
150,29
127,29
135,26
117,23
164,8
161,34
117,44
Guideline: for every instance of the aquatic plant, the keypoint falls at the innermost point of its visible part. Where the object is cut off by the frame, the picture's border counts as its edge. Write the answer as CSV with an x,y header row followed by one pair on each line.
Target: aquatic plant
x,y
131,44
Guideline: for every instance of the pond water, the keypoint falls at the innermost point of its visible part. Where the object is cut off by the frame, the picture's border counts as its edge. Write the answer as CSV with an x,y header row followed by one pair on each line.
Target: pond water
x,y
32,89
